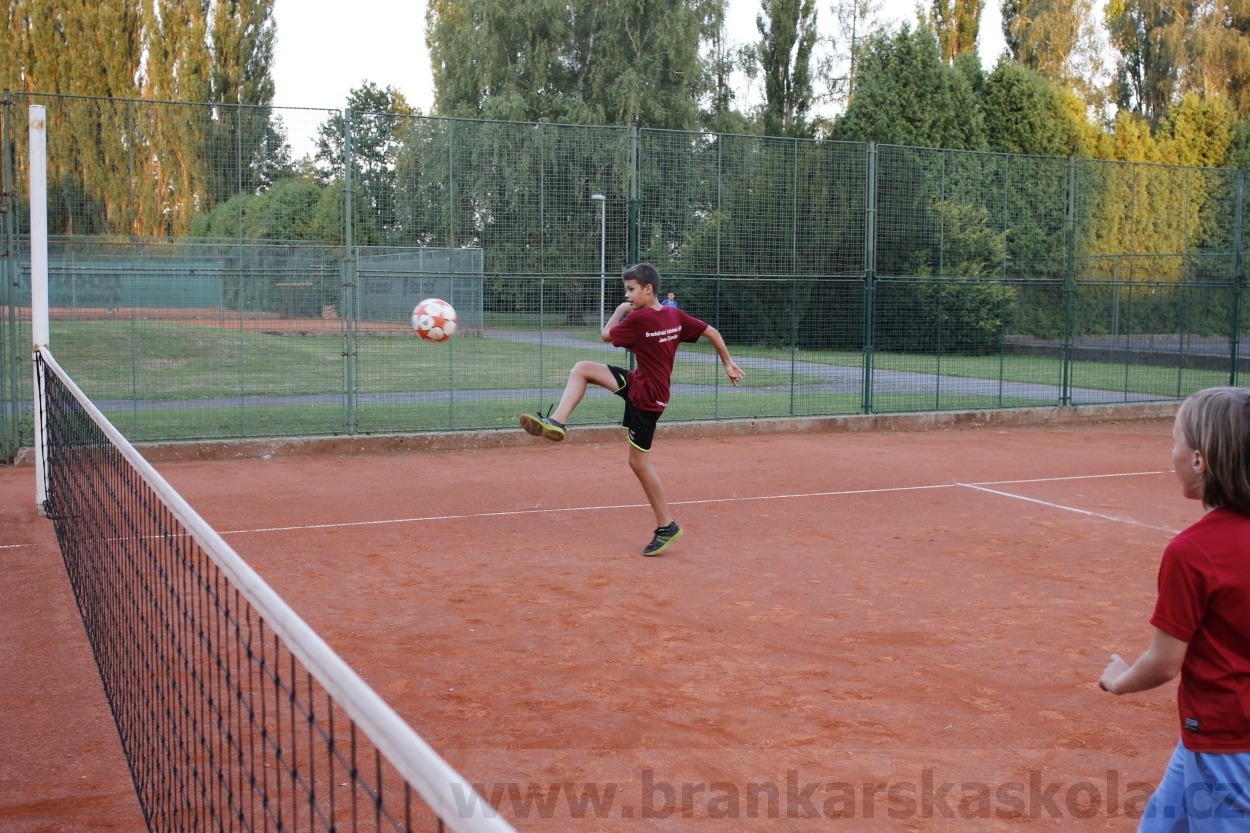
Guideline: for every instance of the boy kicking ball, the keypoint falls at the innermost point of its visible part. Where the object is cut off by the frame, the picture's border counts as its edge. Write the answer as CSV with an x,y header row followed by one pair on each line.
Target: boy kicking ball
x,y
651,332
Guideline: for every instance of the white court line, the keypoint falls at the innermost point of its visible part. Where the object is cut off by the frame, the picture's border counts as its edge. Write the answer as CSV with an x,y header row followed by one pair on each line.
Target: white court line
x,y
1057,479
734,499
14,546
1067,508
537,511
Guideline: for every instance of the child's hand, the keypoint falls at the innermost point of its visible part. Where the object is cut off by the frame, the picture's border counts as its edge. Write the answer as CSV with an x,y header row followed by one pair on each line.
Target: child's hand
x,y
624,308
1114,671
734,373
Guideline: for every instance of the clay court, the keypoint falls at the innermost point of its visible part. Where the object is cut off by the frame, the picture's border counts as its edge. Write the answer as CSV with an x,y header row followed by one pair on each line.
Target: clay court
x,y
894,631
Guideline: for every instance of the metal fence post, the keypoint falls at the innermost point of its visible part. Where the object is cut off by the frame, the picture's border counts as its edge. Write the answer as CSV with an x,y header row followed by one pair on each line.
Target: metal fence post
x,y
794,269
347,179
870,272
451,185
1182,338
632,254
1234,339
720,216
349,340
941,289
542,207
542,331
349,278
130,167
720,173
1069,278
238,170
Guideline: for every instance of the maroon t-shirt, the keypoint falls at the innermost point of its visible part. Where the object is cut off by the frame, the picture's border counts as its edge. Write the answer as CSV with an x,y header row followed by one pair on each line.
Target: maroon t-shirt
x,y
1204,599
652,335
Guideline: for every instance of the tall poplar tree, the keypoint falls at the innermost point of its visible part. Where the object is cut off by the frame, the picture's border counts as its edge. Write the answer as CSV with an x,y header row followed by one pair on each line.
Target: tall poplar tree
x,y
183,158
1056,39
583,62
1219,53
787,36
855,21
76,47
957,24
1149,36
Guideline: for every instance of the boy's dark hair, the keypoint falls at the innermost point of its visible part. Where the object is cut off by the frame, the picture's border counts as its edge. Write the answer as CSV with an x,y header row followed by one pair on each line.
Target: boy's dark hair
x,y
645,274
1216,422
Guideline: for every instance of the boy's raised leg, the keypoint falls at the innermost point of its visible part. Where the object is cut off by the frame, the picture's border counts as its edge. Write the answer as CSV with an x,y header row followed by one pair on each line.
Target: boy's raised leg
x,y
583,373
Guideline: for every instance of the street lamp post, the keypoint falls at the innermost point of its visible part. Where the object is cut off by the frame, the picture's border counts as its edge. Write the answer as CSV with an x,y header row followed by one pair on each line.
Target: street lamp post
x,y
603,236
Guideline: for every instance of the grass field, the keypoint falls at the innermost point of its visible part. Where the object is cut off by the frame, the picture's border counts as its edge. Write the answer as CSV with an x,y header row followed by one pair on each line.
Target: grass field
x,y
252,383
161,360
304,420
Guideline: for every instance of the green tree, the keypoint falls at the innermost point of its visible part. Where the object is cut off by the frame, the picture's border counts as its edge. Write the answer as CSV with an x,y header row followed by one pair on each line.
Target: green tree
x,y
957,23
377,118
1149,36
584,62
298,208
964,309
1198,131
787,36
720,115
148,169
243,36
1025,113
1218,49
1055,38
855,21
1238,155
77,47
906,95
71,46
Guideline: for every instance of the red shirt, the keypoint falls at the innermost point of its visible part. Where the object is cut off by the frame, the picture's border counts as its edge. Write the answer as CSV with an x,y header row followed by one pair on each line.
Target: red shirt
x,y
1204,599
652,335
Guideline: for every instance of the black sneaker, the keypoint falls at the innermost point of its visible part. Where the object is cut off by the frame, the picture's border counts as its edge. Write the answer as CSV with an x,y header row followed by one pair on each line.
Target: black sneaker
x,y
664,536
541,426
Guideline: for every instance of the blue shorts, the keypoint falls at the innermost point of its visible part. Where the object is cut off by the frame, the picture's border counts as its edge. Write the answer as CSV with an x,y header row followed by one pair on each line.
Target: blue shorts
x,y
1201,791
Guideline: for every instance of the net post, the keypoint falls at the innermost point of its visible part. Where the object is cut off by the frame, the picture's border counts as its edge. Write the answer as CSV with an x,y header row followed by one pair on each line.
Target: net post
x,y
10,372
39,281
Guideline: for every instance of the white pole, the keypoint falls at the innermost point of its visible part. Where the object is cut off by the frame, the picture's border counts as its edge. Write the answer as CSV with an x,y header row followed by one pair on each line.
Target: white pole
x,y
39,278
603,232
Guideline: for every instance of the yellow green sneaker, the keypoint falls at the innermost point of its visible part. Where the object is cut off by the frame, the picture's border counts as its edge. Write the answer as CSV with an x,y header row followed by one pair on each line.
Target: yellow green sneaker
x,y
664,536
541,426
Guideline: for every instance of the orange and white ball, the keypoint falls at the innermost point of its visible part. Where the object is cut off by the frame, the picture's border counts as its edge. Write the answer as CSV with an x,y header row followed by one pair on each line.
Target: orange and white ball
x,y
434,320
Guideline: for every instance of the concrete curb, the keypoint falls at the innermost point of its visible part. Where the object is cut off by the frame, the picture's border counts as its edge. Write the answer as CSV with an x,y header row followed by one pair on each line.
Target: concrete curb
x,y
508,438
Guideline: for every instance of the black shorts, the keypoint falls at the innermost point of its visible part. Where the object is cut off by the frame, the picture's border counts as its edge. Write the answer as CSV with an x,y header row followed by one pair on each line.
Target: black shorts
x,y
639,423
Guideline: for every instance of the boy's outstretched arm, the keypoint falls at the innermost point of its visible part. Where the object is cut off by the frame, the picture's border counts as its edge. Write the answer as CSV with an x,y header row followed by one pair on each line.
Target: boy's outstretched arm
x,y
1161,662
617,315
732,370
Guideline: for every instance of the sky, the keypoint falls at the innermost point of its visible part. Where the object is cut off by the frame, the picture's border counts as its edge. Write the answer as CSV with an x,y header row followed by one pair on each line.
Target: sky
x,y
324,50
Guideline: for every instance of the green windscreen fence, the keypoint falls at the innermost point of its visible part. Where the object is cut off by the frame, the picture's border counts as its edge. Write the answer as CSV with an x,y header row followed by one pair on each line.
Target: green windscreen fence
x,y
222,271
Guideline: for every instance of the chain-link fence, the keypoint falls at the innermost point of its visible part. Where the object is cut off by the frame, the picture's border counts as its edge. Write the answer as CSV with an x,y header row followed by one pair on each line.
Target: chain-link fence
x,y
225,271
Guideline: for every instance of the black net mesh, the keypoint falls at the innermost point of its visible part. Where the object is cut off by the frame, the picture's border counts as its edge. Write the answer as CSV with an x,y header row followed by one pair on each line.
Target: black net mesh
x,y
223,727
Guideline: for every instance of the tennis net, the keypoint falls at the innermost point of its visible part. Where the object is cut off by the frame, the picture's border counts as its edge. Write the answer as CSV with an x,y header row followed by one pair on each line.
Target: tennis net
x,y
233,713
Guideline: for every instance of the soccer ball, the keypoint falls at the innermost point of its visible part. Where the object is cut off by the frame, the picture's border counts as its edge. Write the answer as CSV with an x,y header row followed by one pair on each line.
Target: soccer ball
x,y
434,320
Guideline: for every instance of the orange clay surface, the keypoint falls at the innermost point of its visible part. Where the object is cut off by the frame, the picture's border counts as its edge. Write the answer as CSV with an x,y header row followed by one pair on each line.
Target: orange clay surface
x,y
844,630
